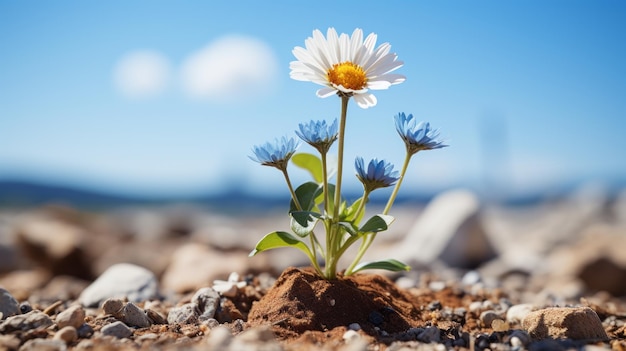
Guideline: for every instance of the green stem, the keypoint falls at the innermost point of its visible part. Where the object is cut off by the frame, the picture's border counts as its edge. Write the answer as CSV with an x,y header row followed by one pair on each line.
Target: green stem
x,y
364,200
334,230
299,207
342,129
393,195
369,238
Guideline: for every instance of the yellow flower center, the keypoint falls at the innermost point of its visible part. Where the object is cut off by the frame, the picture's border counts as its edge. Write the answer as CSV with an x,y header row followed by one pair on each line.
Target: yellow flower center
x,y
348,75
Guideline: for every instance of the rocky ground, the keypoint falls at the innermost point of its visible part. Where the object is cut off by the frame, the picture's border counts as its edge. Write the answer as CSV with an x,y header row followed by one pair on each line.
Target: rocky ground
x,y
546,276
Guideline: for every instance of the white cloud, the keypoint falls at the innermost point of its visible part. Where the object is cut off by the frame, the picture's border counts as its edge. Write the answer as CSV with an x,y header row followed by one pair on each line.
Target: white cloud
x,y
142,74
230,68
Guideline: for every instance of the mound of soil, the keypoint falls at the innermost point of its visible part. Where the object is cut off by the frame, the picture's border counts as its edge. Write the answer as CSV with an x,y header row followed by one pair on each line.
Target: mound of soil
x,y
303,305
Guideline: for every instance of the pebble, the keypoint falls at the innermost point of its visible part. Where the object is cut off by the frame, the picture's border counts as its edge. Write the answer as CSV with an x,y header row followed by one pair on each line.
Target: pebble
x,y
25,307
520,336
498,325
122,280
74,316
354,326
230,287
43,345
113,307
578,323
85,331
351,335
135,316
219,338
475,307
430,334
487,317
516,313
117,329
9,342
8,305
28,321
207,300
185,314
66,334
155,317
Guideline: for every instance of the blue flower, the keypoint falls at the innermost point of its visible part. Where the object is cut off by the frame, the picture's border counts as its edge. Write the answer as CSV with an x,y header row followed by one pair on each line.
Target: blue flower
x,y
417,136
318,134
275,154
379,174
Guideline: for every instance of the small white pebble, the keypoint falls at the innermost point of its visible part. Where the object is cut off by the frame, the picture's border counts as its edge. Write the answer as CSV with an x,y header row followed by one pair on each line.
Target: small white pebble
x,y
405,283
351,335
471,278
332,302
437,286
233,277
475,307
223,288
516,342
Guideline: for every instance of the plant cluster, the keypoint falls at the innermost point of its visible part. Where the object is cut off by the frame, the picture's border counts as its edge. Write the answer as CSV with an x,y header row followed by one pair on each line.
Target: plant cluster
x,y
349,67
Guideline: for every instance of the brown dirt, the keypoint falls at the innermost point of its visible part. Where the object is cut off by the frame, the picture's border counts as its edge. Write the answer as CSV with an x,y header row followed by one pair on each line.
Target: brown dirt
x,y
305,309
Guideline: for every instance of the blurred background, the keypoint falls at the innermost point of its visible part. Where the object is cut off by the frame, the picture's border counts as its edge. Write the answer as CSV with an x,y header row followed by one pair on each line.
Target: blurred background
x,y
111,105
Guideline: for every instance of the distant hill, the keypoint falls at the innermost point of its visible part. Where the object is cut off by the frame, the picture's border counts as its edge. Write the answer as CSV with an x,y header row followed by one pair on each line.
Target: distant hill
x,y
26,194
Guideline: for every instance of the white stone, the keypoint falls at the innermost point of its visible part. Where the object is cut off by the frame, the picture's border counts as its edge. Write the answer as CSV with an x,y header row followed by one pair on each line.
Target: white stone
x,y
516,313
449,229
122,280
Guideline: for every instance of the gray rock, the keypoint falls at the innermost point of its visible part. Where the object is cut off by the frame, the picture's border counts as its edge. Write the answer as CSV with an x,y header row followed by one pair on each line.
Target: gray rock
x,y
117,329
134,316
207,301
185,314
430,334
449,230
580,323
28,321
122,280
74,316
8,305
43,345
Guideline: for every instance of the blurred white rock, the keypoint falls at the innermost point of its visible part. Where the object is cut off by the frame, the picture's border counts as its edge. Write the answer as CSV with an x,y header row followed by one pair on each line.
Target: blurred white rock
x,y
449,229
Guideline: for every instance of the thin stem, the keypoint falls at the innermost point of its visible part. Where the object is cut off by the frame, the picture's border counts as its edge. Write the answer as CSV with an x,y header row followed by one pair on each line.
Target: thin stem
x,y
393,195
334,230
362,248
342,129
299,207
364,200
325,183
293,193
369,238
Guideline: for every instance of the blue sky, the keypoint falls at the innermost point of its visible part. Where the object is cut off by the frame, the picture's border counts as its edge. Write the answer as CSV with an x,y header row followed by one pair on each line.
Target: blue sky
x,y
162,97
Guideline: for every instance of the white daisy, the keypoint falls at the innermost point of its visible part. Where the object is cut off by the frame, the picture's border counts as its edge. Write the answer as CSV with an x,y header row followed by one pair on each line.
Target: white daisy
x,y
344,65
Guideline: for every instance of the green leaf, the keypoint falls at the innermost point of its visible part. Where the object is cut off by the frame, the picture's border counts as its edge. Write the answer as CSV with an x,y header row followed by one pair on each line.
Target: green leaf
x,y
303,222
389,265
311,163
306,195
279,239
378,223
350,212
349,227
